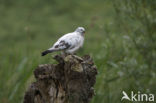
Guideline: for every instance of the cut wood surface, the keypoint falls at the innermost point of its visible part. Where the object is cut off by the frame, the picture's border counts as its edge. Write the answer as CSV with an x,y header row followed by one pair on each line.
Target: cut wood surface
x,y
69,81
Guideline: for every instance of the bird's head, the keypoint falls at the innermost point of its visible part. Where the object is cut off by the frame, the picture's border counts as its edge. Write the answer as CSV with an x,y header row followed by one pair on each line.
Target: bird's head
x,y
81,30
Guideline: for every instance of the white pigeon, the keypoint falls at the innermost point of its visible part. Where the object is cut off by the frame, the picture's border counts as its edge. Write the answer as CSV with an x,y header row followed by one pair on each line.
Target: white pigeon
x,y
68,43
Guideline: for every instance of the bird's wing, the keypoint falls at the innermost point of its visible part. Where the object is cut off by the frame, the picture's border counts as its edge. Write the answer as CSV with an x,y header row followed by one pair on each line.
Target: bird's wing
x,y
65,41
61,45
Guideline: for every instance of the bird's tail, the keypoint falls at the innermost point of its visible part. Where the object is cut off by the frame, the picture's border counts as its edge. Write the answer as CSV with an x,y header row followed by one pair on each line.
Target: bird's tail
x,y
46,52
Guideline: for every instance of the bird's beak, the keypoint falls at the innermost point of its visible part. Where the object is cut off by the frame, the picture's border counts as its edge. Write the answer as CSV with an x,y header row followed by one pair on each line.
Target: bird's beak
x,y
83,31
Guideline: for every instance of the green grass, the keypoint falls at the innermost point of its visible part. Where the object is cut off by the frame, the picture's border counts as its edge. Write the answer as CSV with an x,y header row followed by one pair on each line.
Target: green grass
x,y
27,27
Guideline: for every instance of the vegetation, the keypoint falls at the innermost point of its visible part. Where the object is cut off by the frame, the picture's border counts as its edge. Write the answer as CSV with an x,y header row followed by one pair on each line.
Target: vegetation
x,y
120,36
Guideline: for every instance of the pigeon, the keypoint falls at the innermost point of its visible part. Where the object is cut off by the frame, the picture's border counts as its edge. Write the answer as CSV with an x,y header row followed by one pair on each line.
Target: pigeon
x,y
68,43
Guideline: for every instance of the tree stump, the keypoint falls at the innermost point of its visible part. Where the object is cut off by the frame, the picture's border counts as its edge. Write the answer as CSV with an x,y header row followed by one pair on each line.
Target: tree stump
x,y
69,81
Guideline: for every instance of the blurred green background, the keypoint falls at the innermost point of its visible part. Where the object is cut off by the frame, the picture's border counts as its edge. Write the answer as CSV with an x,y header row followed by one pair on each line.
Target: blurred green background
x,y
120,36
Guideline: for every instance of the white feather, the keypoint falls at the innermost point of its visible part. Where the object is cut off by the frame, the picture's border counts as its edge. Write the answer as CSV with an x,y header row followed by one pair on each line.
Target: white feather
x,y
74,40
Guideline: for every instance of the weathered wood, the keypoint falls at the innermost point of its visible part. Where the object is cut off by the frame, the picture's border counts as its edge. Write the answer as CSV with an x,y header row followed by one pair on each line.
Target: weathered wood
x,y
69,81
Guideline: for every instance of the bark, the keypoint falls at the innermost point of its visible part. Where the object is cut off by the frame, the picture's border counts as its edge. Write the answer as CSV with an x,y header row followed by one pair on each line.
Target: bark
x,y
69,81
